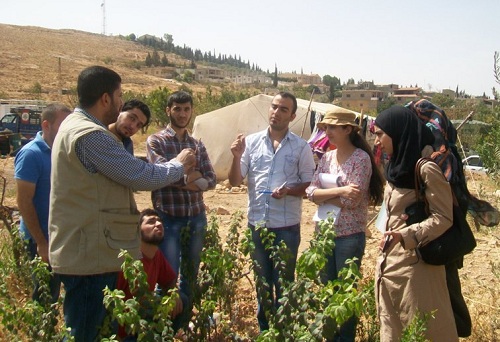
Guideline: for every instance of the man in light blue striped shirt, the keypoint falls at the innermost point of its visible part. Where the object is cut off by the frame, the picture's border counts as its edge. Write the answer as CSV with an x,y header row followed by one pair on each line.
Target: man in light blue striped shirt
x,y
279,166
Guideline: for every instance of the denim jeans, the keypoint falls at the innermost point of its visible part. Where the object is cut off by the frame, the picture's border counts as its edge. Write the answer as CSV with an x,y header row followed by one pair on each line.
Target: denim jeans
x,y
267,272
83,309
54,281
346,247
183,252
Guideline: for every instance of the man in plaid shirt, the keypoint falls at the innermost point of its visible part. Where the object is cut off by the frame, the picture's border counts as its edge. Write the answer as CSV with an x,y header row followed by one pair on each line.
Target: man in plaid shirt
x,y
180,205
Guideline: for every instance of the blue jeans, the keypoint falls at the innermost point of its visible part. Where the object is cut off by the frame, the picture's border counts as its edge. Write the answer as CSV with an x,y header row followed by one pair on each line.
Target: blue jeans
x,y
183,253
83,309
267,272
346,247
54,281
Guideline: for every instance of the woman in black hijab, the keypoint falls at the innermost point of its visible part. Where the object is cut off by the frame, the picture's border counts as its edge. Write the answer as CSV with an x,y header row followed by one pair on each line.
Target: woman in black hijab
x,y
409,136
407,287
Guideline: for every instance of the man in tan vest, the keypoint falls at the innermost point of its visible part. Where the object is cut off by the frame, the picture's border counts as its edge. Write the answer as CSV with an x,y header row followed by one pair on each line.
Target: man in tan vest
x,y
92,210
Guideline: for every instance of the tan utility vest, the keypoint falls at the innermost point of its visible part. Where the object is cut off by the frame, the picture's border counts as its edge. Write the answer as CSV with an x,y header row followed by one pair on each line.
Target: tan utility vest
x,y
91,217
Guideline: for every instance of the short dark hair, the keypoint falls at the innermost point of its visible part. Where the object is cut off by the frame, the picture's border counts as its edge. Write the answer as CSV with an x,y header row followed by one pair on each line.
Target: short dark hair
x,y
134,103
147,212
179,97
93,82
49,113
287,95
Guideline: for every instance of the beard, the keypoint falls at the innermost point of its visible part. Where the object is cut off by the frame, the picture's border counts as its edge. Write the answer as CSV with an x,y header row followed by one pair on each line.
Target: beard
x,y
176,124
152,239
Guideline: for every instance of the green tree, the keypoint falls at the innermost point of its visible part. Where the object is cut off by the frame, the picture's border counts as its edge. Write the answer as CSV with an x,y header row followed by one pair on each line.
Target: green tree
x,y
149,60
386,103
155,59
164,60
36,89
188,77
334,86
157,102
275,78
443,101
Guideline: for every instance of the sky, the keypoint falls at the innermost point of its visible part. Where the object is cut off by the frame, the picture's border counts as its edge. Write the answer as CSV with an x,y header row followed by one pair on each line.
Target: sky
x,y
440,44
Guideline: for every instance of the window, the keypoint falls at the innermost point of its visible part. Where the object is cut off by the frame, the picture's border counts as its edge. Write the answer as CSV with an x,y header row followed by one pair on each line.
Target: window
x,y
362,95
347,95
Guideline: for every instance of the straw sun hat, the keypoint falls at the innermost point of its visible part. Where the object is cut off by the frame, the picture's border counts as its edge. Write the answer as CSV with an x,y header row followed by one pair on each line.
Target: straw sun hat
x,y
338,116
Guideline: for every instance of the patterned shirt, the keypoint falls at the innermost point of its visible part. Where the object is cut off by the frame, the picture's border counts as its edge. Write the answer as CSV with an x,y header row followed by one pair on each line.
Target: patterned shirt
x,y
164,146
101,153
266,169
355,170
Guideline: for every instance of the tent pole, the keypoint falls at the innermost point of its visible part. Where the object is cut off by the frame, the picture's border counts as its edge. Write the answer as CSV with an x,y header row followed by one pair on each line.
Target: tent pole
x,y
465,120
307,113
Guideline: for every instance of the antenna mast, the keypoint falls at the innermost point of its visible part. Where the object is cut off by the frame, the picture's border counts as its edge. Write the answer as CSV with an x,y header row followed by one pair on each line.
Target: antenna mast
x,y
103,6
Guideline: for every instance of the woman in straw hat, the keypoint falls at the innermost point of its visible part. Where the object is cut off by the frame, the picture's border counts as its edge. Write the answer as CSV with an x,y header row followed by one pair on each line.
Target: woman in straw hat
x,y
344,184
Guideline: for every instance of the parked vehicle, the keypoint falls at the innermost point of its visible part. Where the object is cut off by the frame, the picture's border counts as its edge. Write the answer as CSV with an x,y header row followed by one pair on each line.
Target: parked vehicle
x,y
18,127
474,163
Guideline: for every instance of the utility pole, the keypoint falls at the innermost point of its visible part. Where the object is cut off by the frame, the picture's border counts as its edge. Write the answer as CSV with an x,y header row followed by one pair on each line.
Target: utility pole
x,y
103,6
59,72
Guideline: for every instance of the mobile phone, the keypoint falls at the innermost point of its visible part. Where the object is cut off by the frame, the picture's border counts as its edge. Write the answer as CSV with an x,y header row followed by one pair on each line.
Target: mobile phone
x,y
387,243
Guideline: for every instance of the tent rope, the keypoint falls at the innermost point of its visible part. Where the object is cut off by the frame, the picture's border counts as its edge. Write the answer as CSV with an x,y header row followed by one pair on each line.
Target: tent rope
x,y
257,109
471,174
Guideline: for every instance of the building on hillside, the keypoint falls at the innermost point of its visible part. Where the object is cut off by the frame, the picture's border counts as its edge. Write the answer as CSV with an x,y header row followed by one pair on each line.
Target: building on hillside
x,y
247,77
366,100
163,72
302,79
388,89
209,74
404,95
452,94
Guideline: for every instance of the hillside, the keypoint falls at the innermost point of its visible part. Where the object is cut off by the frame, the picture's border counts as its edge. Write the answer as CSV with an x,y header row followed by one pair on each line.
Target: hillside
x,y
31,54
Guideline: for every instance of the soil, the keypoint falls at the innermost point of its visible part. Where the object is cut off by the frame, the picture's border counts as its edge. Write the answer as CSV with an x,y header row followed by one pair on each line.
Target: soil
x,y
54,58
480,285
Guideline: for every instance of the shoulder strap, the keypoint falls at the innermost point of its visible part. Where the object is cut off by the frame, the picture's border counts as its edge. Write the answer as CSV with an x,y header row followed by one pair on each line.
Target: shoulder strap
x,y
419,182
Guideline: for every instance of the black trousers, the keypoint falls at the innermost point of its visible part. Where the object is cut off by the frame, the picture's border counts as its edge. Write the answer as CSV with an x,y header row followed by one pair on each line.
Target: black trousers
x,y
460,310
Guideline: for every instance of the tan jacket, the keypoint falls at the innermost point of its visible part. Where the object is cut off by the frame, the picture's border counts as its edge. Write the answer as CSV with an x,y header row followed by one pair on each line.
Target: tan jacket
x,y
91,217
405,284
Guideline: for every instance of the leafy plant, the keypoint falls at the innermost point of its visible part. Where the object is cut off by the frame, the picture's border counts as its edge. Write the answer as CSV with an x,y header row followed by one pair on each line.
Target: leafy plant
x,y
146,314
310,310
23,317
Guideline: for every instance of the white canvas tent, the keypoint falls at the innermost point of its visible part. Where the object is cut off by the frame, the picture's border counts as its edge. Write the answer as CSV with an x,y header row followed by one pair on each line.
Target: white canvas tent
x,y
219,128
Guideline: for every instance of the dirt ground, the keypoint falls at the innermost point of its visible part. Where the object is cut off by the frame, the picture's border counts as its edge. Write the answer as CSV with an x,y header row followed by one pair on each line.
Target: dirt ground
x,y
480,286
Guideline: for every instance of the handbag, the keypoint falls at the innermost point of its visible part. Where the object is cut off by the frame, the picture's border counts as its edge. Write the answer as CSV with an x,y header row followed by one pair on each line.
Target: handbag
x,y
455,242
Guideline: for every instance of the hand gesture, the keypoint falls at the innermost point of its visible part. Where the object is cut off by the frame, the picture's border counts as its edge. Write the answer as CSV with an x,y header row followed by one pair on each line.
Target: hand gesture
x,y
351,192
187,158
238,146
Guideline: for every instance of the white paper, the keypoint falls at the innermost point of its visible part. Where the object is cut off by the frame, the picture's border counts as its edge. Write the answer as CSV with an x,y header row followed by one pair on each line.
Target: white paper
x,y
381,221
327,210
328,180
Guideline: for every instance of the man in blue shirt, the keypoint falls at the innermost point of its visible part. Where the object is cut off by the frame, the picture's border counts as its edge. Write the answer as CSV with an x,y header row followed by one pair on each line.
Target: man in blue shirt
x,y
32,174
279,166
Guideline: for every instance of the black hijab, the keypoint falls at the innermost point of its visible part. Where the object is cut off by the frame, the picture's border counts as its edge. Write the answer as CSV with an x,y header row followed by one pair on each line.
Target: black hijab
x,y
409,136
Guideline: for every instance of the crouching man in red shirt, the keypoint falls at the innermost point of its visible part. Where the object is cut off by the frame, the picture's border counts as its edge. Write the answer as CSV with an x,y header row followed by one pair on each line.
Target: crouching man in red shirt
x,y
157,268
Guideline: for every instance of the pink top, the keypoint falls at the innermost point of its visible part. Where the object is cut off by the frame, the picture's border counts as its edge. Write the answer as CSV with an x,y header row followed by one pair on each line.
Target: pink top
x,y
356,170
